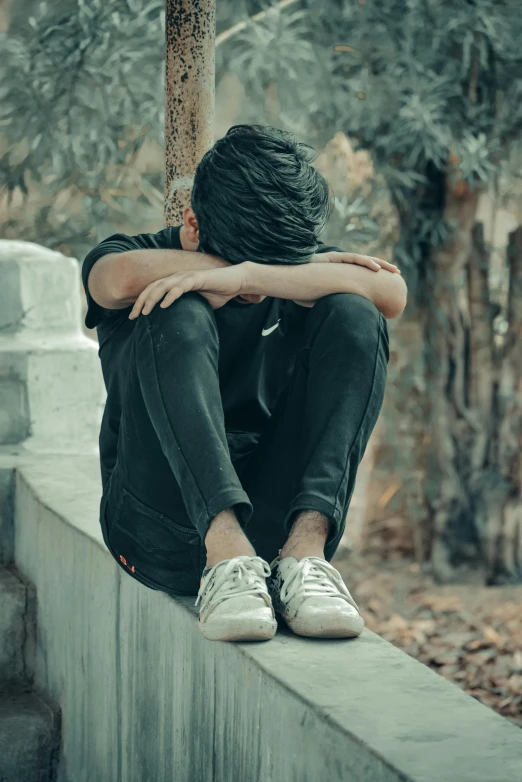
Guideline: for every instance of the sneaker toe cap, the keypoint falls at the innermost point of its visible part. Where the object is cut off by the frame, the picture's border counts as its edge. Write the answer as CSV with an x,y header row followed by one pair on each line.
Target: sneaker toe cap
x,y
240,619
327,617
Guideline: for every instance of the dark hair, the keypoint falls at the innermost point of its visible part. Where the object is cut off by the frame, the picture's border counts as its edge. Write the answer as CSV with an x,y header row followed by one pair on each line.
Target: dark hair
x,y
257,197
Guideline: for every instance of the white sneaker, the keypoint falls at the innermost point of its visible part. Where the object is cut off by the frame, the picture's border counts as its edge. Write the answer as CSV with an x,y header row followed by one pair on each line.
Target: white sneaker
x,y
235,604
313,599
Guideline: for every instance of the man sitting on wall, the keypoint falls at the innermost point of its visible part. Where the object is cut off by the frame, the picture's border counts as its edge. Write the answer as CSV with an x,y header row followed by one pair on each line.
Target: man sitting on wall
x,y
245,366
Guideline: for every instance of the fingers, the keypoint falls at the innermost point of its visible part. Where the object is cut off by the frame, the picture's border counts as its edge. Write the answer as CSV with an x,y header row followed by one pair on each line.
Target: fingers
x,y
375,264
390,267
191,281
169,289
147,298
174,293
369,262
358,260
156,294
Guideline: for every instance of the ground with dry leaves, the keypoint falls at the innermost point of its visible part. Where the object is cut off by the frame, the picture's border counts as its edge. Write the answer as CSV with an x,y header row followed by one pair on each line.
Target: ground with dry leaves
x,y
471,635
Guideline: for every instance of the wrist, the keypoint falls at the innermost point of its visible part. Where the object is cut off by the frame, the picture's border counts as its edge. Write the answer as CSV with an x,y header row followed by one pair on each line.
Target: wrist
x,y
253,276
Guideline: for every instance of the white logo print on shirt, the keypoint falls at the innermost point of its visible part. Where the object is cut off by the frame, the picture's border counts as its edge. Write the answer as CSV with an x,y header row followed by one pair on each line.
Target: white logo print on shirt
x,y
265,332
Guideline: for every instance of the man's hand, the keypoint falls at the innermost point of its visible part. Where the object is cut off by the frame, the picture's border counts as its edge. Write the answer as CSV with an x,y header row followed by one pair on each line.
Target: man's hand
x,y
217,285
375,264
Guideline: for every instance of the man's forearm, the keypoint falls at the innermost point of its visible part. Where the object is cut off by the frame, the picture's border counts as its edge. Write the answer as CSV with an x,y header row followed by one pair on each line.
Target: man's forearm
x,y
144,266
117,280
311,281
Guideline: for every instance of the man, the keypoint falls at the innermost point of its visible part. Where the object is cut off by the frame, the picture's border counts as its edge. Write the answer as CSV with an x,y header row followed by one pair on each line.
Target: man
x,y
245,366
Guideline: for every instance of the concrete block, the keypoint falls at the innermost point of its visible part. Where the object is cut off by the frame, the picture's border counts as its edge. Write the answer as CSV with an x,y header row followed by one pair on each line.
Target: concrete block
x,y
12,627
51,386
29,738
51,393
145,697
40,290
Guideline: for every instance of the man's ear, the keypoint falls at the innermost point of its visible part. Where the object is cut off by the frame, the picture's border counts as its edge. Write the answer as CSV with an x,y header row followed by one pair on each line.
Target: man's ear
x,y
191,224
191,229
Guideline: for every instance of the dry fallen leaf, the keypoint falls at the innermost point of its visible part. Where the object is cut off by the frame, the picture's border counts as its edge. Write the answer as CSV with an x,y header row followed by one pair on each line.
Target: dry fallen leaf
x,y
515,684
440,603
516,664
427,626
491,636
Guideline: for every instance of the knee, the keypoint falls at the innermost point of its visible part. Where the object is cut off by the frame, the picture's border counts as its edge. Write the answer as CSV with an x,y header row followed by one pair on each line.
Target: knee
x,y
189,319
351,315
354,328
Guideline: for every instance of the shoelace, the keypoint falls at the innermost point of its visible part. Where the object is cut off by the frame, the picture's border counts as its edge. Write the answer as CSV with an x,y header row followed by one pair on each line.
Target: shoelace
x,y
240,576
313,577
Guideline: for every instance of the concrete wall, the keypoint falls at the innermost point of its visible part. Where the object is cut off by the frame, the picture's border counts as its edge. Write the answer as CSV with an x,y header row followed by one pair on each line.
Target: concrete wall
x,y
145,698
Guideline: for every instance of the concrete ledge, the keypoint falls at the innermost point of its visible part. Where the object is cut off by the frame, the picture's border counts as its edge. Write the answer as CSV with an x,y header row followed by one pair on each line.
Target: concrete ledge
x,y
145,697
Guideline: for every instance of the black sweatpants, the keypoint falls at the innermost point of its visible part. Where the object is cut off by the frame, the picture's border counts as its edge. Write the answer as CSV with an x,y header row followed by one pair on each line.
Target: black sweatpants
x,y
175,470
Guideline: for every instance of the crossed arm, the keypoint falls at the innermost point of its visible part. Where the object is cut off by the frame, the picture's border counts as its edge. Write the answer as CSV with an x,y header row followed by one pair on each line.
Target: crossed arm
x,y
144,278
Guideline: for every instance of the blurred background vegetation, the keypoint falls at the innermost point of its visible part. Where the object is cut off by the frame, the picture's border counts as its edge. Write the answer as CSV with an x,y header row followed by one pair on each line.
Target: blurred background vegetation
x,y
415,109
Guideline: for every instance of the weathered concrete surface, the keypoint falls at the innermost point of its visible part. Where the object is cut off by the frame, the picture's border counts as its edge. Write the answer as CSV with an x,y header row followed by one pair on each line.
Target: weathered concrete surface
x,y
51,387
6,514
29,738
12,628
50,392
39,291
145,697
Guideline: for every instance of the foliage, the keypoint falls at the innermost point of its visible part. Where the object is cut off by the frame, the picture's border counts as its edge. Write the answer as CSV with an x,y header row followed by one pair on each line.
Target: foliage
x,y
420,83
284,34
81,89
416,82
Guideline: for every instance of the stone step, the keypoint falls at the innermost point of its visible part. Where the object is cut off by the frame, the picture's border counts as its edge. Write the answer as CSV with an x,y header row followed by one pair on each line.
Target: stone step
x,y
29,738
13,628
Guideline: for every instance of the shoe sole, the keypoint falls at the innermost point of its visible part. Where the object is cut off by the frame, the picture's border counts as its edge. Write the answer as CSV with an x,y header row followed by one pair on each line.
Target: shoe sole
x,y
235,630
327,629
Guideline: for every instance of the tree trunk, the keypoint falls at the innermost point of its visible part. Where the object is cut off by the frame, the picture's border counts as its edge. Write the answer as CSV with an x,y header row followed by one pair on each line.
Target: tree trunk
x,y
474,395
505,539
454,426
